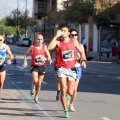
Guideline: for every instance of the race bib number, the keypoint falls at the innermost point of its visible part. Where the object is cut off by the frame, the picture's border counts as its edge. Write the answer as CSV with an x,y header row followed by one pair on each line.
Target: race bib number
x,y
68,55
38,60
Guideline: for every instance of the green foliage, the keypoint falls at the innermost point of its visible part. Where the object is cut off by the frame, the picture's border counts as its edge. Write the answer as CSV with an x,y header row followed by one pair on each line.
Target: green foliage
x,y
16,20
7,30
79,11
106,13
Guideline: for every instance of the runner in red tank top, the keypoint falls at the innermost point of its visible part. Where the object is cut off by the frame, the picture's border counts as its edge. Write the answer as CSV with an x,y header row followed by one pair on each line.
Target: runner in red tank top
x,y
57,65
66,71
39,52
68,57
37,56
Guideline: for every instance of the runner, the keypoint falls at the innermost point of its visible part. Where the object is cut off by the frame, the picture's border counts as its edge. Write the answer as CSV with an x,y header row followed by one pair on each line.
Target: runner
x,y
38,57
3,49
56,66
66,71
74,35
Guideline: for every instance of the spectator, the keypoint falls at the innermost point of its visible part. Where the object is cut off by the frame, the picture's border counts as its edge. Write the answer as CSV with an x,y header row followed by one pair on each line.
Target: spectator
x,y
84,43
115,53
91,55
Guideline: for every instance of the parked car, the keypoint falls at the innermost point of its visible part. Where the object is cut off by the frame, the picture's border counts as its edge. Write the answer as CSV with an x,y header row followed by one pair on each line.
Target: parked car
x,y
9,40
23,42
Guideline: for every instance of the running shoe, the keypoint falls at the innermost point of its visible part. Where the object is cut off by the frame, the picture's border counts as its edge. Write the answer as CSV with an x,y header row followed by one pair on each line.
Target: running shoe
x,y
32,92
36,100
58,96
68,99
71,108
66,114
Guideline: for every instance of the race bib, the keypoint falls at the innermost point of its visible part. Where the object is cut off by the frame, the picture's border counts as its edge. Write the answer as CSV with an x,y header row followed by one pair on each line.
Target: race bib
x,y
68,55
38,60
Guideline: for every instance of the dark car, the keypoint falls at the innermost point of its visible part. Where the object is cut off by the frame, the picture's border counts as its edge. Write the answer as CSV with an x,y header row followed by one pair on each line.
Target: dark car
x,y
23,42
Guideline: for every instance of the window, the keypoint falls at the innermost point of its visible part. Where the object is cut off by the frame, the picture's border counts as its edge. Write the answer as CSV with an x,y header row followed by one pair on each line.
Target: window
x,y
42,7
42,0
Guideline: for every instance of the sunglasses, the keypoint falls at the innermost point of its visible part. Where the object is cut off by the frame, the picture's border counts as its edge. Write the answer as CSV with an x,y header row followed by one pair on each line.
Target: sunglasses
x,y
74,35
39,39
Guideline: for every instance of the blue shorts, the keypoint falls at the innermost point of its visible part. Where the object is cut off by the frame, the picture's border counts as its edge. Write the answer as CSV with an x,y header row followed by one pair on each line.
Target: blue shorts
x,y
78,72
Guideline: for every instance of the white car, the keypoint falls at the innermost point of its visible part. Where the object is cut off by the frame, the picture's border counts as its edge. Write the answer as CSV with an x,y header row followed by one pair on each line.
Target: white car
x,y
23,42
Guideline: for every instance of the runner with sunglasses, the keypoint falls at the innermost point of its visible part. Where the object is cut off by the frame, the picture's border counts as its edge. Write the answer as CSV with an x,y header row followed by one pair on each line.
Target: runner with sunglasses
x,y
74,35
38,57
66,70
3,50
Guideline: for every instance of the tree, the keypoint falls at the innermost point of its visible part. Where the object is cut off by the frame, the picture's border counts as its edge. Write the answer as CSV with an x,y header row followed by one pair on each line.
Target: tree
x,y
79,11
76,11
20,20
7,30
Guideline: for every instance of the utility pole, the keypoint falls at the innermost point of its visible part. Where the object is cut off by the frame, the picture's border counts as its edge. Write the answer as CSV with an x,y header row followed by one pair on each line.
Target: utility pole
x,y
25,18
67,14
66,5
17,19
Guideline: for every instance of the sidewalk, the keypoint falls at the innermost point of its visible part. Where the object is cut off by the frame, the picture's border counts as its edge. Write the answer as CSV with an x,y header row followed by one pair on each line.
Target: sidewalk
x,y
103,57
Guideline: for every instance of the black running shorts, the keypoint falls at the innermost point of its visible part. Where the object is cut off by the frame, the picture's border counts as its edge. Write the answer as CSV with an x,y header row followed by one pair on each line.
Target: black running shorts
x,y
39,69
2,68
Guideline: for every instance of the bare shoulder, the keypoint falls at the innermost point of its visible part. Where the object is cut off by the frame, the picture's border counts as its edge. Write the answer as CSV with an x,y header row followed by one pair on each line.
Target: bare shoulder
x,y
45,46
81,45
75,42
6,46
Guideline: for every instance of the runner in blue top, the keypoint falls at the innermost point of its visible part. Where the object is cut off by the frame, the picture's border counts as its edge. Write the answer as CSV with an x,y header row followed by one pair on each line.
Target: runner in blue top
x,y
3,49
78,67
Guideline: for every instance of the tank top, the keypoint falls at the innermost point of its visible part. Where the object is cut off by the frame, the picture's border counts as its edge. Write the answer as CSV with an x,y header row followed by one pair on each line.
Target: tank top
x,y
3,55
67,54
36,56
57,59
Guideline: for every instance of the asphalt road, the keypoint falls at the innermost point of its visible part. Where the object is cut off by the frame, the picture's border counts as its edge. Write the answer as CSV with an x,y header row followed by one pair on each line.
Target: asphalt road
x,y
98,95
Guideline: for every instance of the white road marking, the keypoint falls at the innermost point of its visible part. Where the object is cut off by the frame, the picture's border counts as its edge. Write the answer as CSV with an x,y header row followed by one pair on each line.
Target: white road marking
x,y
44,82
19,67
118,77
8,74
105,118
29,74
103,76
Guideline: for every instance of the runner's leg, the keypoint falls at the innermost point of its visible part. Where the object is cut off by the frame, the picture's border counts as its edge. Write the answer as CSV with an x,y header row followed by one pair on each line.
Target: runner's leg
x,y
58,89
2,79
63,83
38,85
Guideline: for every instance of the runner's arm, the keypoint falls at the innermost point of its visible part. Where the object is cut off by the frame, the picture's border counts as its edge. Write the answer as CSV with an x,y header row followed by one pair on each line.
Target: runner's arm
x,y
26,53
81,52
48,55
53,43
25,57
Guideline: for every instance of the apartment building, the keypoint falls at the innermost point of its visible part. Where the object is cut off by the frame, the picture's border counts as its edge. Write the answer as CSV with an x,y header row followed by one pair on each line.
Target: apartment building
x,y
42,7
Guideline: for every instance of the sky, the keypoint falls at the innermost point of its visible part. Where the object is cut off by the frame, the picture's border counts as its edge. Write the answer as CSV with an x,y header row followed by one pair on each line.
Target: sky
x,y
7,6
